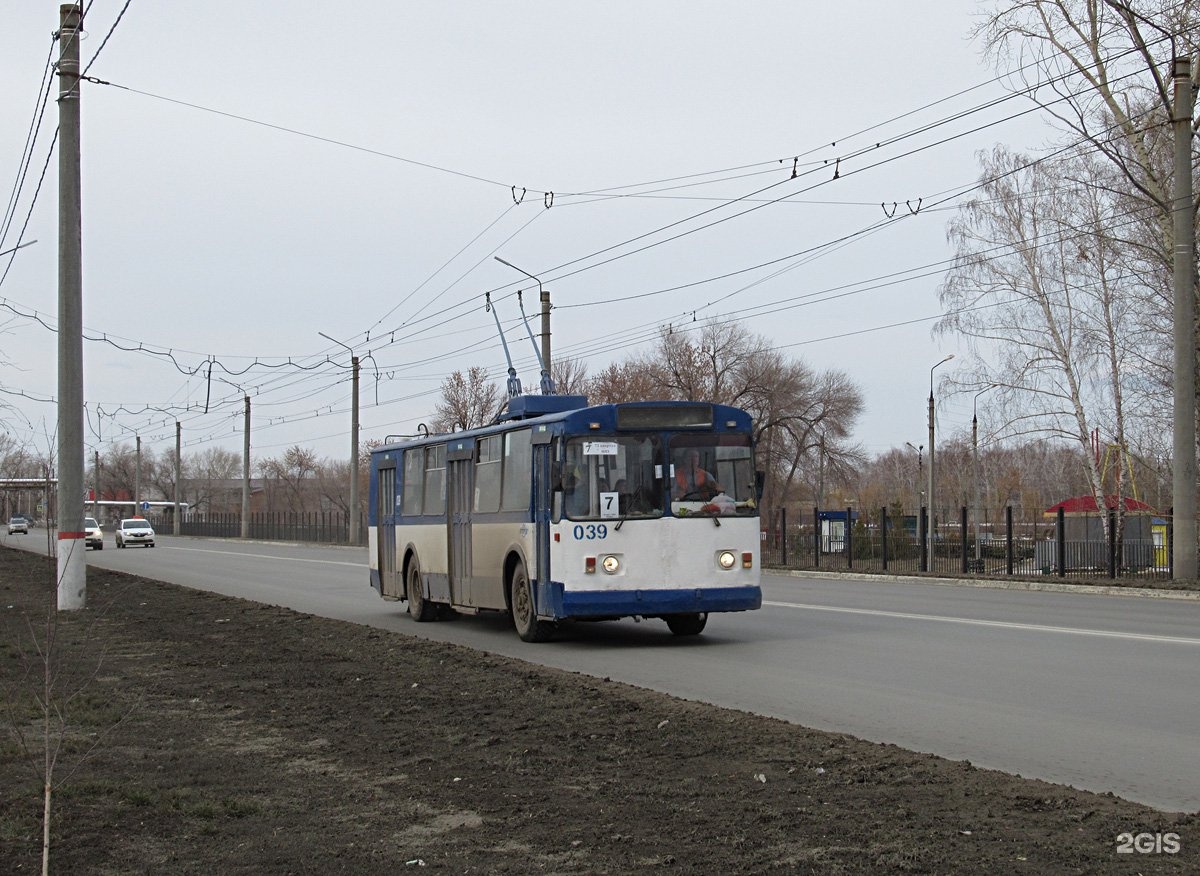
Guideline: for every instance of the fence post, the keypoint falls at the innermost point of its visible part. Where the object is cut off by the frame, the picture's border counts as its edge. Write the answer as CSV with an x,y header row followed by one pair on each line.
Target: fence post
x,y
922,524
1171,543
849,538
783,537
1112,544
816,537
1008,538
963,530
1060,539
883,528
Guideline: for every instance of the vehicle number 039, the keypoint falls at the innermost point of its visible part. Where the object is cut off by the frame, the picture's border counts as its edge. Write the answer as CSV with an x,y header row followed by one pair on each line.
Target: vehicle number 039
x,y
589,532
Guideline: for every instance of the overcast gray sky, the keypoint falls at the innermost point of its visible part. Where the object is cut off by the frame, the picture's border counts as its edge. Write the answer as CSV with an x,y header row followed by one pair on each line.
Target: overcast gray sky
x,y
257,173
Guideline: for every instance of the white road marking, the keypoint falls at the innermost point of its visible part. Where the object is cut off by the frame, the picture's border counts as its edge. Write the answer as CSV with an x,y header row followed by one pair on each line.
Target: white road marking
x,y
1039,628
268,557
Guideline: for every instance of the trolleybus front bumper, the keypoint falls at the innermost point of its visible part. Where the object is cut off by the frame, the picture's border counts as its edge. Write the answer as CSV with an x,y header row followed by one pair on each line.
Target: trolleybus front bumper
x,y
559,604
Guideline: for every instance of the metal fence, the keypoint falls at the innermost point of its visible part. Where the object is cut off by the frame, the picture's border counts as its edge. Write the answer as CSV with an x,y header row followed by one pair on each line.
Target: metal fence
x,y
318,527
881,541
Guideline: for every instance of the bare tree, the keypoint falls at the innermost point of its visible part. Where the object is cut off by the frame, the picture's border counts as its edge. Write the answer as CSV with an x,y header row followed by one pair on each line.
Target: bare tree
x,y
468,401
795,409
209,476
118,470
570,376
1103,71
333,482
1037,289
289,480
626,381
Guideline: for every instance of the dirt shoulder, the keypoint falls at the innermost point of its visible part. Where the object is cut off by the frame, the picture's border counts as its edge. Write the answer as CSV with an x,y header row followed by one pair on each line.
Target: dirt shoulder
x,y
226,736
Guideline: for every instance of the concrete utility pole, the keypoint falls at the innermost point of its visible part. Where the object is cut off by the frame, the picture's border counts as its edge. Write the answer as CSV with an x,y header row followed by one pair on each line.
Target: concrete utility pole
x,y
544,294
137,479
1183,481
245,532
178,470
354,511
96,490
72,547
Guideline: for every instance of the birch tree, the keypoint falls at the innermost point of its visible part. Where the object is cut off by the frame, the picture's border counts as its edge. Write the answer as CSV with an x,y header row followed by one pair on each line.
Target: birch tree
x,y
1038,289
1102,70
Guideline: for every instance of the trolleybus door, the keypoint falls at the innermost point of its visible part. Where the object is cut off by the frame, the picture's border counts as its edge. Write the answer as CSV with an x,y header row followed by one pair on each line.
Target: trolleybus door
x,y
385,509
461,493
543,457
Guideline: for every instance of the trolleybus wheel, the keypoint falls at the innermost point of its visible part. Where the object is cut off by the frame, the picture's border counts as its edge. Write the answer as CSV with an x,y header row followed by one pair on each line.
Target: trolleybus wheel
x,y
529,628
686,624
418,607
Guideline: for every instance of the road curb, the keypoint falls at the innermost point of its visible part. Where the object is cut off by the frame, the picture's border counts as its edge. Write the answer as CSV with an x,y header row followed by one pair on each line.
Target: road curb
x,y
993,584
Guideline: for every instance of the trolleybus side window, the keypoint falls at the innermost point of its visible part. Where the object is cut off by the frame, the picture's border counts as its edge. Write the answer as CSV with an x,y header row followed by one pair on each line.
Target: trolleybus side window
x,y
487,474
612,477
518,470
712,475
435,479
414,480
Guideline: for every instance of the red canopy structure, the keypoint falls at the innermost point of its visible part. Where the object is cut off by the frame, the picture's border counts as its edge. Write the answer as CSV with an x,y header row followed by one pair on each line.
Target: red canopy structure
x,y
1087,505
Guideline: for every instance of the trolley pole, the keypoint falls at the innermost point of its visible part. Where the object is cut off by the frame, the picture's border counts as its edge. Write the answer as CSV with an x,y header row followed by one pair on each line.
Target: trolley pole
x,y
72,547
1183,480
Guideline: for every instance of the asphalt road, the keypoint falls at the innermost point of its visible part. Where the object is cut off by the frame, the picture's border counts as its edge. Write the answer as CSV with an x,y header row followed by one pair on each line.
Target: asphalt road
x,y
1097,692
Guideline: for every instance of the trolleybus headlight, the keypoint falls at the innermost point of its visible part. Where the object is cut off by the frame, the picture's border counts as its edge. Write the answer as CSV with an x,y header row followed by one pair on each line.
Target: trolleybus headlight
x,y
726,559
611,564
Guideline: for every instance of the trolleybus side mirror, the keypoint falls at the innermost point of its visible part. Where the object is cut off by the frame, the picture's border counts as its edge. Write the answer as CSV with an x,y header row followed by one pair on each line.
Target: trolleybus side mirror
x,y
760,478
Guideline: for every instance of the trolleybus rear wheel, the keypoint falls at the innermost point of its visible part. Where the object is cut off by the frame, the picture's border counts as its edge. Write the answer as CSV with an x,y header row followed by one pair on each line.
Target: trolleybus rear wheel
x,y
529,628
686,624
418,607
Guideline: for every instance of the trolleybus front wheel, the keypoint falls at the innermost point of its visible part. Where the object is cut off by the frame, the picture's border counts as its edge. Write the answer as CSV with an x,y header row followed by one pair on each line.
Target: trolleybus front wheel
x,y
418,607
687,624
524,616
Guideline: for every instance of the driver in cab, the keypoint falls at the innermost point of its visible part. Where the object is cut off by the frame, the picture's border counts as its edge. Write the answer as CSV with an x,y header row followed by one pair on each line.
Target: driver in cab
x,y
692,483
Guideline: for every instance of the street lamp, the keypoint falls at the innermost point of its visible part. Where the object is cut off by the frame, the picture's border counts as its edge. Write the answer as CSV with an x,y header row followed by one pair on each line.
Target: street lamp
x,y
975,465
931,438
920,451
353,440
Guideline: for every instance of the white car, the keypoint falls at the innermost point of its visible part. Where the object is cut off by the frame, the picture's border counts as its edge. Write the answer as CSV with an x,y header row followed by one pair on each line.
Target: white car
x,y
94,535
135,530
18,524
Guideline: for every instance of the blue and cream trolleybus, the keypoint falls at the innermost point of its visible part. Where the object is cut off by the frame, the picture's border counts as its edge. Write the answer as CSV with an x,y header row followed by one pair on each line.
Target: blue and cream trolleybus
x,y
560,511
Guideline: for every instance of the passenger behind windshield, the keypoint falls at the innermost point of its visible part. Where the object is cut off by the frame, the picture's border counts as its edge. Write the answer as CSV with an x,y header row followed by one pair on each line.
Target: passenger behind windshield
x,y
692,482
